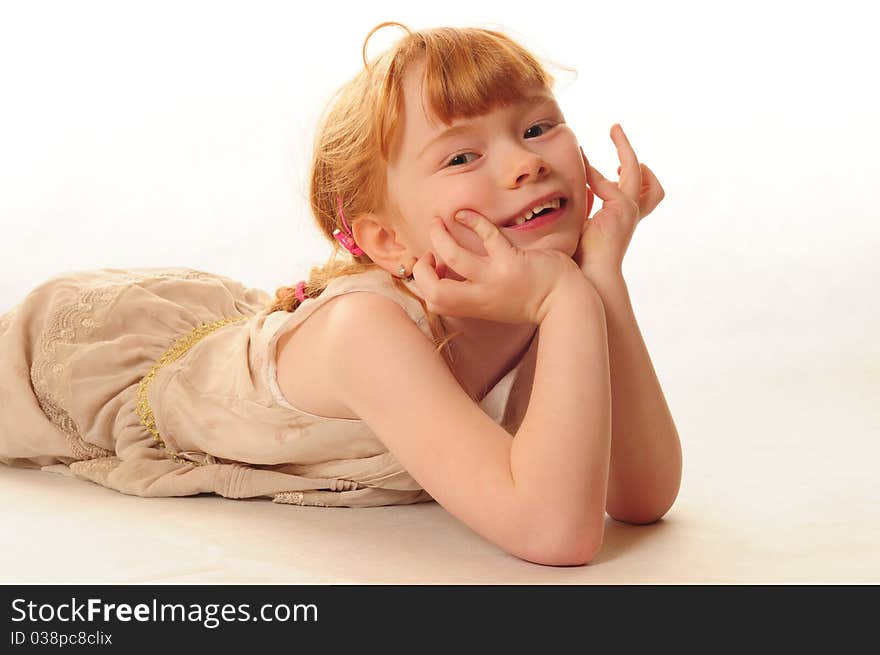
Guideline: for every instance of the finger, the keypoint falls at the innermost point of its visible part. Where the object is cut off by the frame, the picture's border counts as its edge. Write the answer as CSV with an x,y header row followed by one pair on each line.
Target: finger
x,y
650,180
604,188
631,174
425,269
495,243
435,290
424,273
652,193
461,260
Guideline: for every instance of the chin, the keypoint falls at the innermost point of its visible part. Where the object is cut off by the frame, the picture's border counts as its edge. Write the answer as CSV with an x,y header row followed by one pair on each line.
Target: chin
x,y
564,243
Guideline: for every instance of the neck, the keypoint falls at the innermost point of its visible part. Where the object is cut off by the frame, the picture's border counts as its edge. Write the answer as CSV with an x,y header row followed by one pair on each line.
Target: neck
x,y
486,350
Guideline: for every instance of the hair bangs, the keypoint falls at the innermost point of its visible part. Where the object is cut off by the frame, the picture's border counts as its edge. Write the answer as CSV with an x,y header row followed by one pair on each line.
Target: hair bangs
x,y
476,73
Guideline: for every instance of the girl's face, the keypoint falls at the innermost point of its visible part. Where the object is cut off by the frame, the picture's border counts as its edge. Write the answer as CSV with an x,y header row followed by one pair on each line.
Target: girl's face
x,y
497,165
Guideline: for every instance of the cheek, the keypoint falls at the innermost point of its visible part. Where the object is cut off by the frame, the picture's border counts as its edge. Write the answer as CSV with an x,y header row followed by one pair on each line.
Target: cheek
x,y
574,167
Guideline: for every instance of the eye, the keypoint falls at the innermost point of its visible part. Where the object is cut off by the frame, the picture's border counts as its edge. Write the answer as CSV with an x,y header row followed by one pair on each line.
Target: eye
x,y
461,154
549,127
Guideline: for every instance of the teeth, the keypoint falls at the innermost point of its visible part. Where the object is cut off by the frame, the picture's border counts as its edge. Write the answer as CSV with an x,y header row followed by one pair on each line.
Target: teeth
x,y
553,204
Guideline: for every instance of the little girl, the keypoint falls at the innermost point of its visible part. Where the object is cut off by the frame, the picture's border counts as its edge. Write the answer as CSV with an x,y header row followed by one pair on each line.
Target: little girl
x,y
446,171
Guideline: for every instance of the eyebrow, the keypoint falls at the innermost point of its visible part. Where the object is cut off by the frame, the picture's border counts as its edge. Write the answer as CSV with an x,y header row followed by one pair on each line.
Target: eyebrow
x,y
467,126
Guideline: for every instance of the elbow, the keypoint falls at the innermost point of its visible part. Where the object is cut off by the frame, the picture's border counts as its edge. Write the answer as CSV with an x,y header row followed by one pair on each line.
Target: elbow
x,y
567,546
648,504
642,513
637,517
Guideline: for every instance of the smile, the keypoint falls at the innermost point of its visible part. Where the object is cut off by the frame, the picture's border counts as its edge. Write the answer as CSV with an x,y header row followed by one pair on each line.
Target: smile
x,y
542,220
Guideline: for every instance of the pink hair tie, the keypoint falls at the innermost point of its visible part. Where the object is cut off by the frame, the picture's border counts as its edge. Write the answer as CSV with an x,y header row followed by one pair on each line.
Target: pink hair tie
x,y
346,238
300,290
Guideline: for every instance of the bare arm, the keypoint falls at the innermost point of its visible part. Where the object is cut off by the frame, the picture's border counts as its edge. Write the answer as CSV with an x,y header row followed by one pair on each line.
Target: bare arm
x,y
560,456
646,458
526,495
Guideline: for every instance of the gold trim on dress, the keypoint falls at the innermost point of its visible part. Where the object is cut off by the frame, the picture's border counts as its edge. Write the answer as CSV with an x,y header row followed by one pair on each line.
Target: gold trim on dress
x,y
175,352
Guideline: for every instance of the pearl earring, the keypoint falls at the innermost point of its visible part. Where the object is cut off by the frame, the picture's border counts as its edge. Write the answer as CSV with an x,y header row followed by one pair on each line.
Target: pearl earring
x,y
401,271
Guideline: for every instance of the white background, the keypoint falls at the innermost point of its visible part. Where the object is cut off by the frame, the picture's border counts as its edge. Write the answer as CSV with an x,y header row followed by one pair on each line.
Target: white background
x,y
179,134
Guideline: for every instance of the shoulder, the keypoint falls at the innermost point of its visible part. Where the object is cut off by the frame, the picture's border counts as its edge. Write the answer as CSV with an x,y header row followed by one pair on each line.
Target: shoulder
x,y
369,310
378,356
359,325
305,355
390,374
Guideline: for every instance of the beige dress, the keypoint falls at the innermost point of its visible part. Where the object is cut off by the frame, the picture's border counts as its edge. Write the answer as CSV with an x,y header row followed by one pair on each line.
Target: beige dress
x,y
161,382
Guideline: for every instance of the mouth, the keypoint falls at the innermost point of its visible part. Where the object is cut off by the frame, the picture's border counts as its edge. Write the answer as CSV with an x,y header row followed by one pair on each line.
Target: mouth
x,y
548,211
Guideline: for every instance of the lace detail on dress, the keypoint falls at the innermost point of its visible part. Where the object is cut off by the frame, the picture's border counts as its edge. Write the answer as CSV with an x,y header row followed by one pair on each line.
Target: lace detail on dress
x,y
100,464
80,448
289,497
71,322
295,498
308,497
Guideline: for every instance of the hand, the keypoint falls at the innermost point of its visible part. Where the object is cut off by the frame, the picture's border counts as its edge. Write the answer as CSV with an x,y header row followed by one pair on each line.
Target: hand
x,y
509,285
606,236
651,192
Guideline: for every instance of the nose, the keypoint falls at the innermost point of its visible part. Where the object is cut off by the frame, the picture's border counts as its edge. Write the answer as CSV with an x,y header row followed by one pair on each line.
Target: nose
x,y
526,165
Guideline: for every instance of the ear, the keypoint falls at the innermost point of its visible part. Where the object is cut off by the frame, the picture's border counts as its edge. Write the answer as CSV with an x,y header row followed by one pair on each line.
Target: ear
x,y
380,242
